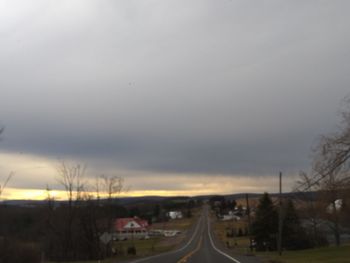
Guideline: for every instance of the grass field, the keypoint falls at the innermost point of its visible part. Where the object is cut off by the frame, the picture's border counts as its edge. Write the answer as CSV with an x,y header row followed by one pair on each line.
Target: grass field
x,y
144,248
178,224
221,228
320,255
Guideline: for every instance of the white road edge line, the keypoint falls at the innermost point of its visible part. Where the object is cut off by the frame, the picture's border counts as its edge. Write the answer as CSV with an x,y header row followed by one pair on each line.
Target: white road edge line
x,y
218,250
174,251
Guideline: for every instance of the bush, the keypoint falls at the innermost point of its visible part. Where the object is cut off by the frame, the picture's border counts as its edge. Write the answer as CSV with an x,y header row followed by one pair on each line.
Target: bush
x,y
132,250
14,251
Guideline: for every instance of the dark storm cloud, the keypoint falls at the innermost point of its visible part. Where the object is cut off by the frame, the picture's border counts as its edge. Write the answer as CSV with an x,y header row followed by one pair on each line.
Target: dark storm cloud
x,y
178,86
174,155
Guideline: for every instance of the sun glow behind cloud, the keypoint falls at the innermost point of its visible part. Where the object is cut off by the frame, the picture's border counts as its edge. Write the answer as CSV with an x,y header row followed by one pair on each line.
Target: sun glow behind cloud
x,y
33,174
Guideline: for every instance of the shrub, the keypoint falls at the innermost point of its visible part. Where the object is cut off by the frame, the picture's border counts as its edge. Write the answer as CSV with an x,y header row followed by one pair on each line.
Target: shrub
x,y
132,250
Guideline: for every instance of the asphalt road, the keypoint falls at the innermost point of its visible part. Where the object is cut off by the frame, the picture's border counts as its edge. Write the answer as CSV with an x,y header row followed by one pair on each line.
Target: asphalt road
x,y
200,247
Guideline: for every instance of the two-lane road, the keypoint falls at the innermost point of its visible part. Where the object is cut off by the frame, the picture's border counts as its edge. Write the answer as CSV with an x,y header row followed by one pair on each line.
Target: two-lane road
x,y
199,248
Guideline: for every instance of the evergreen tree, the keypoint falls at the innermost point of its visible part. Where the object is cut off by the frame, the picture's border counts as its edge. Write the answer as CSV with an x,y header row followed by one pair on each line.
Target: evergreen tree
x,y
232,204
191,204
189,213
240,210
265,225
156,210
293,234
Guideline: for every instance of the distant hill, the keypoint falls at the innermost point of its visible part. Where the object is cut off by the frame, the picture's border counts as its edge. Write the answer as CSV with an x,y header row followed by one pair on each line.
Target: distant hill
x,y
158,199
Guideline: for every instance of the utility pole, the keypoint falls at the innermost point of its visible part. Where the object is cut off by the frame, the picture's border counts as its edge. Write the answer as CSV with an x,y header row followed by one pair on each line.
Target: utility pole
x,y
280,219
249,222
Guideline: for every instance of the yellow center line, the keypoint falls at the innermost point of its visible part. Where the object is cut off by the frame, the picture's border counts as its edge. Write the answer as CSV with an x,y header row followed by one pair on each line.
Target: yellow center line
x,y
187,256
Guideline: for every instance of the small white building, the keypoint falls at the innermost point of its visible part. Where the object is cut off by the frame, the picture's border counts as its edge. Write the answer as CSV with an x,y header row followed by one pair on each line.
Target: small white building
x,y
175,214
230,216
338,204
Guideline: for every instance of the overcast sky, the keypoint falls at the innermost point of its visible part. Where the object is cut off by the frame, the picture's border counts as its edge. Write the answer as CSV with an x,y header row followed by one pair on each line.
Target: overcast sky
x,y
169,93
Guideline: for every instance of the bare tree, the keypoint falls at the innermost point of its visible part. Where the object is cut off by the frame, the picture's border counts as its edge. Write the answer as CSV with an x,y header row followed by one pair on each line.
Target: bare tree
x,y
332,158
112,186
3,186
307,194
75,227
71,178
331,167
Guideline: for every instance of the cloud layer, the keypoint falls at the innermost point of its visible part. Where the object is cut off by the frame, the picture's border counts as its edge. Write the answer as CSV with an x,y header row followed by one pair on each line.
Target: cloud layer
x,y
175,87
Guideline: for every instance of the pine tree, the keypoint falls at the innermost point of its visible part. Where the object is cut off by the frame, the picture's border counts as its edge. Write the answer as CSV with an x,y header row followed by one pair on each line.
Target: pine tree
x,y
156,210
265,225
294,236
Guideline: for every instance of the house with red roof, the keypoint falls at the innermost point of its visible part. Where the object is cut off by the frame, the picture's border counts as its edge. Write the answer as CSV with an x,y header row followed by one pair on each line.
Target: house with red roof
x,y
129,228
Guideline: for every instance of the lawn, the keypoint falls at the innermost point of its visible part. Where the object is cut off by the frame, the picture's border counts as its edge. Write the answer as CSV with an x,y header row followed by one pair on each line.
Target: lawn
x,y
320,255
144,248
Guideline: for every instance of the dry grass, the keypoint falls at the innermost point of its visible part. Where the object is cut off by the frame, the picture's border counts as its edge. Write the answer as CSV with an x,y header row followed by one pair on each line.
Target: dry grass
x,y
319,255
176,224
221,228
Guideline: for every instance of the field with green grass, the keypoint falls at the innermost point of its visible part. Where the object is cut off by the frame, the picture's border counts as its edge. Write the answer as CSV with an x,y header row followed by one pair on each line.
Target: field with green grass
x,y
143,248
319,255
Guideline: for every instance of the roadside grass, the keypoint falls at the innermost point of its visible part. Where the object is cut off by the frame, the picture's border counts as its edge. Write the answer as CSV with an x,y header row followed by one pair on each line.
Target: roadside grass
x,y
178,224
144,248
240,245
318,255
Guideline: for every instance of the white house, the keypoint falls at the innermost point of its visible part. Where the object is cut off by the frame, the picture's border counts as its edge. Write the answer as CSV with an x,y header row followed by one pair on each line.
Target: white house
x,y
338,204
230,216
175,214
129,228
